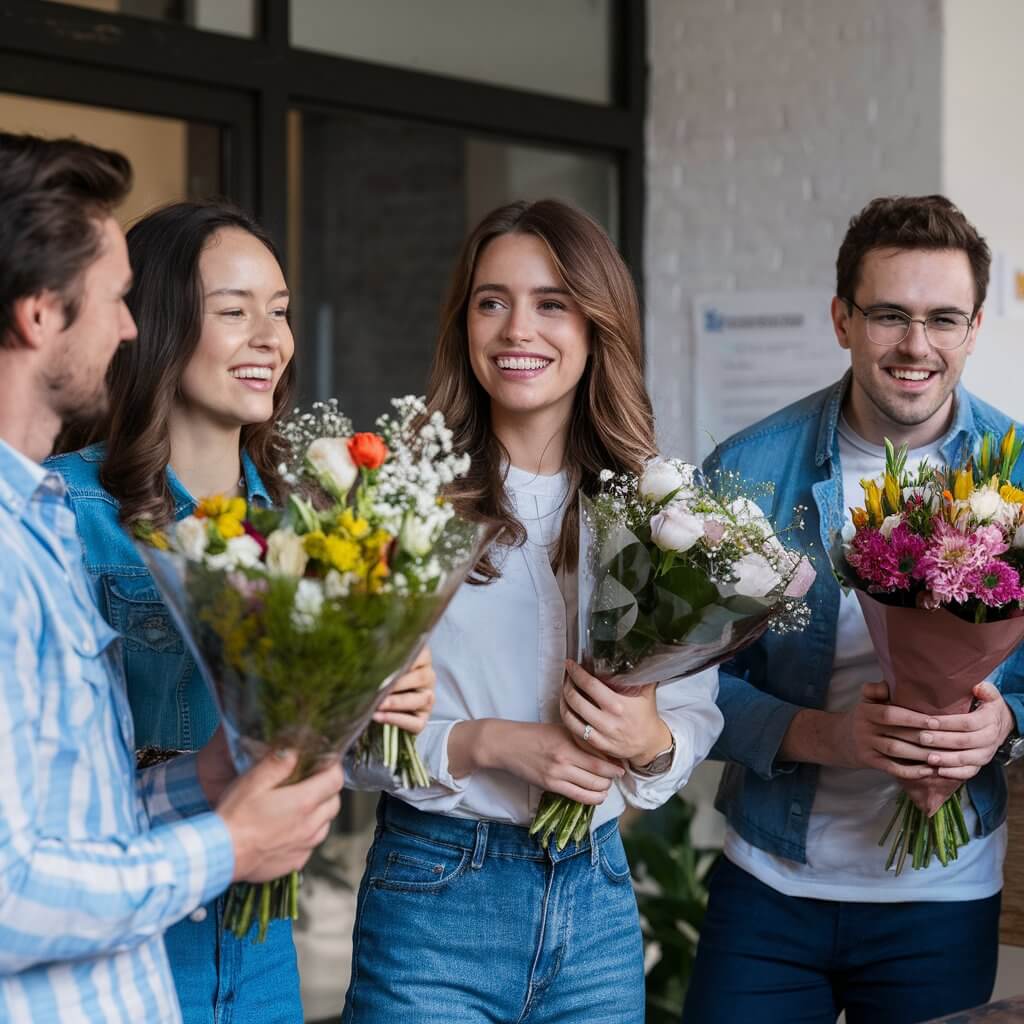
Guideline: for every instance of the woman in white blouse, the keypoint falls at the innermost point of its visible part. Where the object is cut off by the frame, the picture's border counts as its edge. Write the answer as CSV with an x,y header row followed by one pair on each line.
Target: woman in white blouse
x,y
462,916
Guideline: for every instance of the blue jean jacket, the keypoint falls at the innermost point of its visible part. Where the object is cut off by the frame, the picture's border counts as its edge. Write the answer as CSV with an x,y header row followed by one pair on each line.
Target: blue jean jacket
x,y
172,708
768,802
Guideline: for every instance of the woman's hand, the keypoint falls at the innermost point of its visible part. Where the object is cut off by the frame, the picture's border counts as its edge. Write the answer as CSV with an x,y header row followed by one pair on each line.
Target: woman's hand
x,y
409,704
543,754
625,726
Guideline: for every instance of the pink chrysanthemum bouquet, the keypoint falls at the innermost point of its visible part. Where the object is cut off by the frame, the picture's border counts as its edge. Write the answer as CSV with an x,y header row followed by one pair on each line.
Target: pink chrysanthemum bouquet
x,y
936,563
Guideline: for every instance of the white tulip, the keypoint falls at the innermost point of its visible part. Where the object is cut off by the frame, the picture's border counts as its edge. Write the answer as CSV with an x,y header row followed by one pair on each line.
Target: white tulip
x,y
332,464
1018,538
755,576
286,554
191,537
675,529
417,535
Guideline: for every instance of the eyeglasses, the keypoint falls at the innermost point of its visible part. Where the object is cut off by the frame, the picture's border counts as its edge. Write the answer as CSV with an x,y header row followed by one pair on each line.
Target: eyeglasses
x,y
889,327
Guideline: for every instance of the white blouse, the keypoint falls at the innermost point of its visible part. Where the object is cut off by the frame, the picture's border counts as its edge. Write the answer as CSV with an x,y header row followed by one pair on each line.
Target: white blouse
x,y
499,652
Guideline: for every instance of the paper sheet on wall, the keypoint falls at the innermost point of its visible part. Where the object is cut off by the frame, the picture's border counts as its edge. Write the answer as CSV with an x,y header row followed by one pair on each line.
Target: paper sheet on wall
x,y
756,352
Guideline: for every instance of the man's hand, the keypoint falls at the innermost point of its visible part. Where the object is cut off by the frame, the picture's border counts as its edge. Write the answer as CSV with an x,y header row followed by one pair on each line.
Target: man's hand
x,y
959,746
873,734
409,704
214,767
275,827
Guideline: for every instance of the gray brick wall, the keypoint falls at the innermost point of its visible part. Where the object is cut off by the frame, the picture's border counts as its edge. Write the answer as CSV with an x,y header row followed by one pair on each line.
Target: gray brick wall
x,y
770,123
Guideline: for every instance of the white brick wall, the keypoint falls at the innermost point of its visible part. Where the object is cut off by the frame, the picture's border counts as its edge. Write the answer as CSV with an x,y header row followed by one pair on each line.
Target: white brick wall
x,y
772,122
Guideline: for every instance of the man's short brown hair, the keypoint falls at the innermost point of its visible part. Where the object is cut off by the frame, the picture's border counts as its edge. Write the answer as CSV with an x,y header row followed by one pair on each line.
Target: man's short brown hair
x,y
53,193
910,222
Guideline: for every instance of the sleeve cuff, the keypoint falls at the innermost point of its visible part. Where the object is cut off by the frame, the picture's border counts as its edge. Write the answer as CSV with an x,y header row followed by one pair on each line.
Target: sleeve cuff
x,y
171,791
432,745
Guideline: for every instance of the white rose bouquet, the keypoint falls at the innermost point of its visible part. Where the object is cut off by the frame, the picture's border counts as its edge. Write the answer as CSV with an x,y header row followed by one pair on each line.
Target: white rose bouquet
x,y
674,577
299,618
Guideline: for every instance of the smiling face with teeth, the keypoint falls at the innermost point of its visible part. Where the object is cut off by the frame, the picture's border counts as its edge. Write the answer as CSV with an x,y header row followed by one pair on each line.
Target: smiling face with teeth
x,y
246,341
905,392
528,338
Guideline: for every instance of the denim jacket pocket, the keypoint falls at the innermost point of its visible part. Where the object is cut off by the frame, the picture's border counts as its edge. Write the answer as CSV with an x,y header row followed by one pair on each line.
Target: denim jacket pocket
x,y
136,611
402,862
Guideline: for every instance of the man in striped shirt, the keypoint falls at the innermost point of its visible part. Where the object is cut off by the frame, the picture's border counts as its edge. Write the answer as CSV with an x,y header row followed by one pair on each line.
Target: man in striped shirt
x,y
95,859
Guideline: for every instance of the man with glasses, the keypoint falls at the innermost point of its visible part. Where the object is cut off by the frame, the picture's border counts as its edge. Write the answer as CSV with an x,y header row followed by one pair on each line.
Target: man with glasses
x,y
803,919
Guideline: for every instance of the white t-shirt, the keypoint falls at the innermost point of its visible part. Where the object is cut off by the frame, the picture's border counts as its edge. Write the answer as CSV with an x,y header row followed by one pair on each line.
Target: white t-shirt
x,y
853,806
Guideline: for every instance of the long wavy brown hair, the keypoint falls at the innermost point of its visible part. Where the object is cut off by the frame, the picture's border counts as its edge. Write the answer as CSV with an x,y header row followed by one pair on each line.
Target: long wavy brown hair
x,y
611,424
166,300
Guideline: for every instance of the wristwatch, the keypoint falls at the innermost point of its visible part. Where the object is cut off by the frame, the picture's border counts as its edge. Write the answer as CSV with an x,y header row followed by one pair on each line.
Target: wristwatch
x,y
661,762
1010,749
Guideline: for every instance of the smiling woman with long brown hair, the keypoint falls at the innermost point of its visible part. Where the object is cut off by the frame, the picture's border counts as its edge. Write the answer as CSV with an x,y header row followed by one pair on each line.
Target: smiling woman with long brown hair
x,y
193,405
462,916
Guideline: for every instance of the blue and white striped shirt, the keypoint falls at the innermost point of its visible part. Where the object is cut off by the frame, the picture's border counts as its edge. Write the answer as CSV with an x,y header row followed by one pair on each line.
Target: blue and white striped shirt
x,y
95,859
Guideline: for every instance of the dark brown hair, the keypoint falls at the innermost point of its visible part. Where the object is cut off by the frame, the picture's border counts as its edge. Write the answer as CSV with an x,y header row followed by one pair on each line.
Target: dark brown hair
x,y
910,222
611,426
53,196
166,300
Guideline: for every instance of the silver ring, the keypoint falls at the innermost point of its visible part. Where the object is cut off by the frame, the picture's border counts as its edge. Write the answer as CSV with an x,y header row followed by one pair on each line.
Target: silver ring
x,y
587,731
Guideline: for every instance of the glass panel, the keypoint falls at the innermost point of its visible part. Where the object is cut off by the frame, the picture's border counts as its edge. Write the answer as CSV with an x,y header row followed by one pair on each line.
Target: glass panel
x,y
232,17
171,159
378,209
523,45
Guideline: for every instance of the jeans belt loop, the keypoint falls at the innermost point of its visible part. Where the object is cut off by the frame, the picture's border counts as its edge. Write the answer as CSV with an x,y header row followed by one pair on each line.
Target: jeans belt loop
x,y
593,850
480,846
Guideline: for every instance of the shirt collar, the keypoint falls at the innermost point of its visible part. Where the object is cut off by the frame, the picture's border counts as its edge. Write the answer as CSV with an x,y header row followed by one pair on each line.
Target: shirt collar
x,y
960,434
20,478
255,489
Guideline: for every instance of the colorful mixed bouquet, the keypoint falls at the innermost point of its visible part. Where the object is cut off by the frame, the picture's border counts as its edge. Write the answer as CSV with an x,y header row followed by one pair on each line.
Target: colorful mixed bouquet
x,y
935,559
674,577
301,617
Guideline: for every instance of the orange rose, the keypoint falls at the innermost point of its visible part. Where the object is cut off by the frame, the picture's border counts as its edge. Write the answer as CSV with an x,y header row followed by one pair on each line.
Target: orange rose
x,y
368,451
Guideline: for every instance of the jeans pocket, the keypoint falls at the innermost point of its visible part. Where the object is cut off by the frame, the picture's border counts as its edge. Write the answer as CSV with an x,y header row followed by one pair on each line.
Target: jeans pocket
x,y
612,857
402,862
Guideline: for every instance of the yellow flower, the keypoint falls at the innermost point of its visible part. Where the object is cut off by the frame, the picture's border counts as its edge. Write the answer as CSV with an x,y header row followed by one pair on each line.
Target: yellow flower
x,y
217,505
873,501
1012,494
230,526
963,483
159,540
860,517
355,526
893,493
1006,445
339,552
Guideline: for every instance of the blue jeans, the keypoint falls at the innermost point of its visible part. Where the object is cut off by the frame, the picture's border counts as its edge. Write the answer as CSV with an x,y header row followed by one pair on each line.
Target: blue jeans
x,y
465,922
779,959
224,980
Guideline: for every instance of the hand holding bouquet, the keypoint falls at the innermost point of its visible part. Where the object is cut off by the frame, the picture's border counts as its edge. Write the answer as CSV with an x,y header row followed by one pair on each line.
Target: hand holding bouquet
x,y
674,578
300,617
935,560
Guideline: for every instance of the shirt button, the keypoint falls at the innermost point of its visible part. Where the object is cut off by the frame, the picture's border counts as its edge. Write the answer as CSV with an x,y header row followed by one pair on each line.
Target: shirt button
x,y
198,915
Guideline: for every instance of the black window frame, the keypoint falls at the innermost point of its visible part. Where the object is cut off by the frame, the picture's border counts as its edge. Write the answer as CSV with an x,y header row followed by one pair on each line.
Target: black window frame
x,y
247,86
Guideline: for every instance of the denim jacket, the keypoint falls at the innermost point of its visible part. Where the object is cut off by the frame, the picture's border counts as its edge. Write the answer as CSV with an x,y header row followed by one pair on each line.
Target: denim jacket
x,y
170,703
215,974
766,801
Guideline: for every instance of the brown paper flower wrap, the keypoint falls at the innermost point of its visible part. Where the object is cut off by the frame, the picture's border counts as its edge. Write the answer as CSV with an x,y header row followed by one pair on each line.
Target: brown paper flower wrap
x,y
931,661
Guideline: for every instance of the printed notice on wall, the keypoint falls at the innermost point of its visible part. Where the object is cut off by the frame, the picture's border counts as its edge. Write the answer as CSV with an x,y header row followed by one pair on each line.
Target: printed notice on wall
x,y
756,352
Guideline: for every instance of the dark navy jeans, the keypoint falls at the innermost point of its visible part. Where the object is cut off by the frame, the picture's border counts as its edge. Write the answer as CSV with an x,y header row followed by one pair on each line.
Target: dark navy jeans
x,y
778,959
466,922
